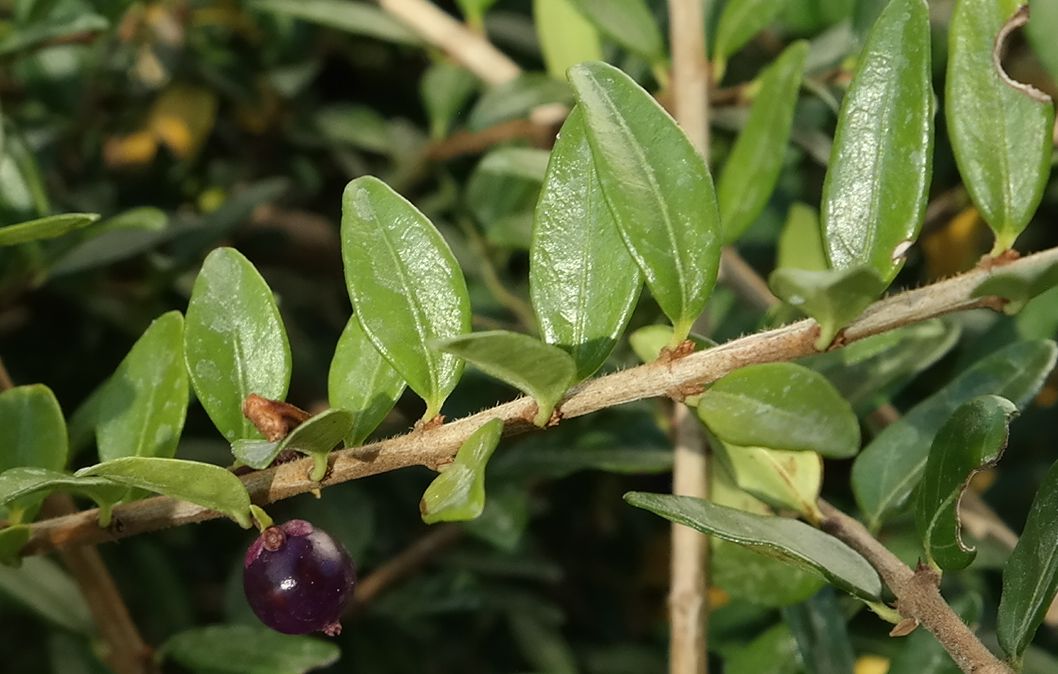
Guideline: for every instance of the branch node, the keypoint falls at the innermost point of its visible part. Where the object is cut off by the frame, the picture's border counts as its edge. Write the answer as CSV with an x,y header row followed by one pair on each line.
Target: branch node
x,y
273,418
904,627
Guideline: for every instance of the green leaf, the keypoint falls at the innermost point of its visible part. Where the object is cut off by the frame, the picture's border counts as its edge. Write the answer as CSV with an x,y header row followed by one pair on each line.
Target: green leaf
x,y
20,482
356,18
780,406
406,287
506,182
445,88
648,341
12,540
629,23
247,649
890,466
553,463
515,99
200,483
773,652
362,381
44,588
234,341
458,493
1000,129
357,126
832,297
752,169
739,22
819,627
45,228
257,454
32,433
658,188
61,25
566,37
503,521
142,406
800,244
582,281
539,370
779,537
973,438
115,238
1019,285
1030,577
783,479
317,436
874,195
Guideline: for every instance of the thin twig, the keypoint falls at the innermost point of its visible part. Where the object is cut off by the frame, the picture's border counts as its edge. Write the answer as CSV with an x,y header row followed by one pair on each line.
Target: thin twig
x,y
436,446
5,378
404,564
472,142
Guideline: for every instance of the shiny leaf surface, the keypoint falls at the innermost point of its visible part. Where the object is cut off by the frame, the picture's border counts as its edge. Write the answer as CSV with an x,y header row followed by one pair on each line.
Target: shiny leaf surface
x,y
361,381
45,228
458,493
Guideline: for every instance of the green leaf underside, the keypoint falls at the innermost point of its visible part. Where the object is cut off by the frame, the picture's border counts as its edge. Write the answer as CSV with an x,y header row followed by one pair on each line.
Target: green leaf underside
x,y
255,453
833,297
751,171
458,493
247,649
973,438
658,189
780,406
445,88
16,483
235,343
405,285
351,17
800,244
582,282
629,23
786,539
566,37
1030,577
888,469
1000,135
362,381
142,406
874,195
783,479
45,228
318,435
200,483
1018,286
32,433
822,637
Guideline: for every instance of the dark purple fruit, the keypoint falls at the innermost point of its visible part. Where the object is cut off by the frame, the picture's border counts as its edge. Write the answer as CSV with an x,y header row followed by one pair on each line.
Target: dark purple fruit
x,y
298,579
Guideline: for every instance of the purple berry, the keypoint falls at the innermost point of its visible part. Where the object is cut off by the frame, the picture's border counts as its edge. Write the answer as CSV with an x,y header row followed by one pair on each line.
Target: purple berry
x,y
298,579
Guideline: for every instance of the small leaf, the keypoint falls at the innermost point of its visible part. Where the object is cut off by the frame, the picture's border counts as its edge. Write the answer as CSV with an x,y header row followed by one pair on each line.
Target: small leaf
x,y
458,493
234,341
740,21
973,438
32,433
515,99
142,406
44,588
819,627
582,281
406,287
356,18
247,649
833,297
12,540
257,454
1018,285
1000,129
566,37
362,381
45,228
445,88
780,478
658,188
629,23
874,195
785,539
780,406
317,436
200,483
648,341
800,244
752,169
890,466
20,482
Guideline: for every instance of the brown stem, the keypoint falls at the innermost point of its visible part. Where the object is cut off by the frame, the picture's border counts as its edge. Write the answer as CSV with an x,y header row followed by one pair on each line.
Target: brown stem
x,y
472,142
407,562
5,379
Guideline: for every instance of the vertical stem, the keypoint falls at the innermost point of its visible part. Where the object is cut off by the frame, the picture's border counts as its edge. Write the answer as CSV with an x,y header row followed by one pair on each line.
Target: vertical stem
x,y
688,604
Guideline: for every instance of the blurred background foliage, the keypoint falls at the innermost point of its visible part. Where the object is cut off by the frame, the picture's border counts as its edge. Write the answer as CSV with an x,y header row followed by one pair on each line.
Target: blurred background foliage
x,y
190,124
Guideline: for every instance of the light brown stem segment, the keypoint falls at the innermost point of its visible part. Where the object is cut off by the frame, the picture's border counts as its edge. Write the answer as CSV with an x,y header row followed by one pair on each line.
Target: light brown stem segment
x,y
917,596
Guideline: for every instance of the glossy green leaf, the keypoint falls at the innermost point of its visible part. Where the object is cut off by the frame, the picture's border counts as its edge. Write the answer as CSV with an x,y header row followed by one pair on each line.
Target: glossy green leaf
x,y
200,483
783,479
445,88
658,188
12,540
142,406
874,195
1030,577
1000,129
362,381
582,281
1018,286
780,406
566,37
44,588
973,438
800,244
317,436
739,22
18,483
45,228
539,370
751,171
890,466
406,287
247,649
819,627
833,297
515,99
458,493
629,23
234,341
32,433
357,18
785,539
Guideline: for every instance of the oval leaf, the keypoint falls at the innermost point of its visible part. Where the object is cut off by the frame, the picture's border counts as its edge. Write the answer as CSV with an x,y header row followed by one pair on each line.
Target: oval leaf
x,y
317,436
458,493
540,370
445,88
752,169
17,483
874,195
406,286
582,281
45,228
973,438
629,23
740,21
780,478
780,406
245,648
783,538
200,483
566,37
362,381
658,188
832,297
234,341
32,433
1000,129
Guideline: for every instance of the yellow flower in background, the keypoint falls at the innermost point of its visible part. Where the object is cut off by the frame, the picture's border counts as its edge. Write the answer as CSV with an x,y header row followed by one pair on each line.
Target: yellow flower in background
x,y
180,119
871,664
